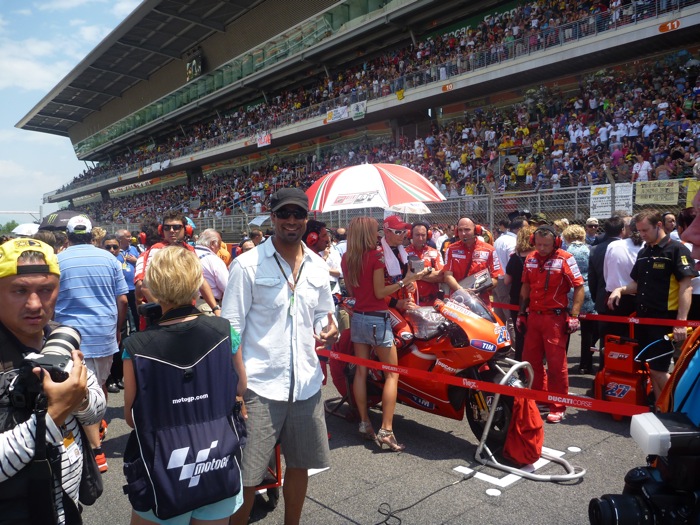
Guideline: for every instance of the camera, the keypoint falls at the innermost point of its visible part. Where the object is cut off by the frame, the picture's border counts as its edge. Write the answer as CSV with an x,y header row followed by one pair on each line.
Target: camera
x,y
416,263
151,312
667,490
55,359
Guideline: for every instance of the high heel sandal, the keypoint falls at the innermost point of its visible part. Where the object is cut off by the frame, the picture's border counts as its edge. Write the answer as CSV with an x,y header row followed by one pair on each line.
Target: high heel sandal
x,y
386,437
366,431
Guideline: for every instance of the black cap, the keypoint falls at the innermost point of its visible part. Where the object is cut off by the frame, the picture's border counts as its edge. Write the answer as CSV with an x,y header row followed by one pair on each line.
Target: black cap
x,y
289,196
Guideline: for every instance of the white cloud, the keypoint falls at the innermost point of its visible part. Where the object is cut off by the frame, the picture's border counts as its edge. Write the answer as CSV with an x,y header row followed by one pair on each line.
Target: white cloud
x,y
23,12
63,5
122,8
76,22
35,64
93,34
16,195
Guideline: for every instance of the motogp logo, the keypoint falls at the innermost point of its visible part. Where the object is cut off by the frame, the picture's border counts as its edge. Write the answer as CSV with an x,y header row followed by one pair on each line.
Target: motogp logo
x,y
201,464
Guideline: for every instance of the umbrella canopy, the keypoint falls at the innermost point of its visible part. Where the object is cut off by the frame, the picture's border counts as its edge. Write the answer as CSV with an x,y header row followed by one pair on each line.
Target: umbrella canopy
x,y
370,186
414,208
26,230
58,220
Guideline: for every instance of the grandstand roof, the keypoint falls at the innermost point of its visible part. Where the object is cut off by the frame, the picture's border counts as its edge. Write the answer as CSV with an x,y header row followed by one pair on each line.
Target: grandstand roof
x,y
157,32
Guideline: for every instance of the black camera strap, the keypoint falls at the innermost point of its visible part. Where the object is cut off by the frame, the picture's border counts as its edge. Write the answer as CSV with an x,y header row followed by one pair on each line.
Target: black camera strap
x,y
43,508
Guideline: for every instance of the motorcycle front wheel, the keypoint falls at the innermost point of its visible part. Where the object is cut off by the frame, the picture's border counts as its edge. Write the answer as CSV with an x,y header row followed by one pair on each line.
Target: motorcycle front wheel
x,y
476,416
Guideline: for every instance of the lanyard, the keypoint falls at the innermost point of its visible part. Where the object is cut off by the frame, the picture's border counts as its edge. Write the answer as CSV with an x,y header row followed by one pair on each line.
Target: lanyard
x,y
292,286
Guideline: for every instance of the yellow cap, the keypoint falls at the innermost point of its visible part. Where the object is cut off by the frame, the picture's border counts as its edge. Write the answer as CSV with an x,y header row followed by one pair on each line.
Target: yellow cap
x,y
14,248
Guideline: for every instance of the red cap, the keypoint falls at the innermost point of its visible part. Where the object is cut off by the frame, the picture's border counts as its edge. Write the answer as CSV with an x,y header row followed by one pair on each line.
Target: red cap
x,y
395,223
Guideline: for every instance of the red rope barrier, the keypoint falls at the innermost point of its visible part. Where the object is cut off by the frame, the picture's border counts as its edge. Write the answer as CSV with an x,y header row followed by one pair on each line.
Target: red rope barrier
x,y
586,403
617,319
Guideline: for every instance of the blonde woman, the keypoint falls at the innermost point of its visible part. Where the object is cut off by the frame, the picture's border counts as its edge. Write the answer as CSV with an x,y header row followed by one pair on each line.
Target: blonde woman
x,y
180,387
370,328
575,237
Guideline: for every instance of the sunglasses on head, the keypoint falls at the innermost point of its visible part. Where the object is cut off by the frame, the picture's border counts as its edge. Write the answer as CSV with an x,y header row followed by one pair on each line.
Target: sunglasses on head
x,y
396,232
172,227
285,214
111,247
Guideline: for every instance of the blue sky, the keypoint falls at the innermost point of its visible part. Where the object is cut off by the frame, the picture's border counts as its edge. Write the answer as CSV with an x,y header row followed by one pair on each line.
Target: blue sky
x,y
40,42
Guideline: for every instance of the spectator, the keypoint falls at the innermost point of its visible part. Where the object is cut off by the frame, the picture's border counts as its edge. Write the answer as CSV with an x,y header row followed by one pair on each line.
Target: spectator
x,y
183,339
25,322
591,230
277,308
505,247
214,269
93,300
130,255
116,375
661,292
575,238
513,277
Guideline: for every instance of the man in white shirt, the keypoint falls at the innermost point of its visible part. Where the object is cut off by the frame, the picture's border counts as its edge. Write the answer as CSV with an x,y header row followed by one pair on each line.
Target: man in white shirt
x,y
278,296
505,246
641,170
214,269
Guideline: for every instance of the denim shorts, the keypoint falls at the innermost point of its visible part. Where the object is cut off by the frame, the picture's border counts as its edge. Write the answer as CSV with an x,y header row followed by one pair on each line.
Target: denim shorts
x,y
371,330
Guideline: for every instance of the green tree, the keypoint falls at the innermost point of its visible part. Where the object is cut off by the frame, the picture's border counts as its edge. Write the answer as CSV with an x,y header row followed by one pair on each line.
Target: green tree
x,y
8,227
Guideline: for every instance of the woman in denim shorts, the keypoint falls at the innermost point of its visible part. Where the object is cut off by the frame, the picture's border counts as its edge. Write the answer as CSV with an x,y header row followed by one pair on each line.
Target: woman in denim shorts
x,y
370,328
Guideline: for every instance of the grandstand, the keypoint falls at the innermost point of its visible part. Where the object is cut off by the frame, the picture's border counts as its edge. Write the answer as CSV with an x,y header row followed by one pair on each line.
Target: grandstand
x,y
206,99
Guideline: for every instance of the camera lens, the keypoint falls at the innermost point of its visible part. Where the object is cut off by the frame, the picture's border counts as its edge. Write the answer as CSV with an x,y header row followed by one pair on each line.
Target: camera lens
x,y
619,509
62,341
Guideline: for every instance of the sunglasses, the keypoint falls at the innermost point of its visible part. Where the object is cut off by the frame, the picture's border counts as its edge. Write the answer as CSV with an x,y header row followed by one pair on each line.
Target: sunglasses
x,y
111,247
396,232
285,214
172,227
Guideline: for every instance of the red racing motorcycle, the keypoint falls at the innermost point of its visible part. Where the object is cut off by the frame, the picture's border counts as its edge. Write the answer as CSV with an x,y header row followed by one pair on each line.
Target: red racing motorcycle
x,y
458,337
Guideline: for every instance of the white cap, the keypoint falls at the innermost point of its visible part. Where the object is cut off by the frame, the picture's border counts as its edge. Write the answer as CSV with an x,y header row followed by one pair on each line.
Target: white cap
x,y
79,224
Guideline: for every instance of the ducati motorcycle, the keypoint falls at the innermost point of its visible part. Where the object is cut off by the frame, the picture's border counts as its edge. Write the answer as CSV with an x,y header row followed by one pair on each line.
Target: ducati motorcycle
x,y
458,337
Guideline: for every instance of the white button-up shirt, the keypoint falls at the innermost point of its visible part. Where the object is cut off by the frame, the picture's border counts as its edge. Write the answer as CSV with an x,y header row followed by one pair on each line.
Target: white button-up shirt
x,y
214,270
276,331
505,246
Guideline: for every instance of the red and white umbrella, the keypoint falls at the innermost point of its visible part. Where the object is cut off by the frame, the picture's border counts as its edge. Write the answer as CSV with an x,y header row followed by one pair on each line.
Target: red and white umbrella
x,y
370,186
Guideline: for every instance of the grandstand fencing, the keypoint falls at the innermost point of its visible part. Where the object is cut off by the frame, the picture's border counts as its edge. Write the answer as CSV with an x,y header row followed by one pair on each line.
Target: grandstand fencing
x,y
488,209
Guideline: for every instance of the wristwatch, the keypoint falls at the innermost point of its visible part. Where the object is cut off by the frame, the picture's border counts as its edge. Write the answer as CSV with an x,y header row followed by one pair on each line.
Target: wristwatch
x,y
217,307
401,285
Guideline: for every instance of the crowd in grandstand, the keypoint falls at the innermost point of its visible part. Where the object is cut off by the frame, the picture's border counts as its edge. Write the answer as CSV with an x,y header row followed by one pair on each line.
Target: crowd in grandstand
x,y
528,27
632,126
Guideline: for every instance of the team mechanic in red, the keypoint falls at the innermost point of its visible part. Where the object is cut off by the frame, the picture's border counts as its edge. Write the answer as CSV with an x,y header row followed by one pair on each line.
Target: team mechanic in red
x,y
428,286
469,256
549,274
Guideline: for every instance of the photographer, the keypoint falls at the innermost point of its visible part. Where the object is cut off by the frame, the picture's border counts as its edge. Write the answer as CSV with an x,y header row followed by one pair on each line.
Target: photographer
x,y
29,282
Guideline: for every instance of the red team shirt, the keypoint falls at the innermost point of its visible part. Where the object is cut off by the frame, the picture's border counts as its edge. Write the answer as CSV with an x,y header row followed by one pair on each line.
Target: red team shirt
x,y
365,300
550,293
427,292
463,262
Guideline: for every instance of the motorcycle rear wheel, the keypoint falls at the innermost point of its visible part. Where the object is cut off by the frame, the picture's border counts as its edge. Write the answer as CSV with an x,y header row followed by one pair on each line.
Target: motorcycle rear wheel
x,y
501,420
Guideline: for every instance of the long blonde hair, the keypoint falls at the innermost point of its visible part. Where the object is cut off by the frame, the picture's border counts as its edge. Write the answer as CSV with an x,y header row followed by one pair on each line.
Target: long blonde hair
x,y
362,237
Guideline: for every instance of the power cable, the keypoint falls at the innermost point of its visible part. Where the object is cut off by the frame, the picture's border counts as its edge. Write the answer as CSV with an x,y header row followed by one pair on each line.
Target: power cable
x,y
390,515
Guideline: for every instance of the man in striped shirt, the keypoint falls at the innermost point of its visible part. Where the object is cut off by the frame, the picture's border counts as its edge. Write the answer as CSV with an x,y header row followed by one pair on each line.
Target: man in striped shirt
x,y
29,282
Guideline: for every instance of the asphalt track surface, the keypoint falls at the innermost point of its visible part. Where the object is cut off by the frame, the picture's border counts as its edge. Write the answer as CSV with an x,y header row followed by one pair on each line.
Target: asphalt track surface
x,y
362,479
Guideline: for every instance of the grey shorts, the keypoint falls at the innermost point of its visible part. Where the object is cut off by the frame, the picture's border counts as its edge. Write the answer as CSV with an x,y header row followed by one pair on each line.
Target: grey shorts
x,y
100,366
371,329
300,428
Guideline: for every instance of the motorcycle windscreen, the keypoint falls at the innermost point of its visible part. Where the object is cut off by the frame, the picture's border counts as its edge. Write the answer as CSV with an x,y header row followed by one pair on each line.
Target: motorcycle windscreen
x,y
474,304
